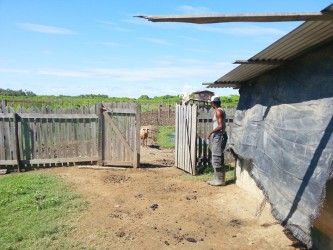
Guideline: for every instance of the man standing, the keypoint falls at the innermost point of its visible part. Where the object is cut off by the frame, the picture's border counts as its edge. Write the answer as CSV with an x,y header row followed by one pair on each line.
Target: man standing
x,y
217,141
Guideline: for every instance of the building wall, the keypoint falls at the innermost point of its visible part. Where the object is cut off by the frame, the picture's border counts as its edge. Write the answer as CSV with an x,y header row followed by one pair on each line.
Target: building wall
x,y
290,90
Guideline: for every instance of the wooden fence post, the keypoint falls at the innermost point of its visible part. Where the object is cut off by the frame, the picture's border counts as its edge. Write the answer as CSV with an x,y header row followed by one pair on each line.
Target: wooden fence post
x,y
101,136
17,142
136,153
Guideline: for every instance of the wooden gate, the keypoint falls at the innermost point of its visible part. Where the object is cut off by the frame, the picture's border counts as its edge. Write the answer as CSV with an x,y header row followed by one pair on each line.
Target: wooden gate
x,y
120,135
185,138
191,143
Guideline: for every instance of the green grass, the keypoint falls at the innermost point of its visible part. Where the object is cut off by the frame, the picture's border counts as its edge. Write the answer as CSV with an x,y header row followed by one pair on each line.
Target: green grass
x,y
206,172
37,212
165,136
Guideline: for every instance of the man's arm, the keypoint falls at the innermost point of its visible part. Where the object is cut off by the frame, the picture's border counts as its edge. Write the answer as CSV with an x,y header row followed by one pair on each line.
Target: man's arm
x,y
219,119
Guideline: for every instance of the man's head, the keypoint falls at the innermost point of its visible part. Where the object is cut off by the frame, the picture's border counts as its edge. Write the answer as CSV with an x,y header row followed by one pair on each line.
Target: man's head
x,y
215,101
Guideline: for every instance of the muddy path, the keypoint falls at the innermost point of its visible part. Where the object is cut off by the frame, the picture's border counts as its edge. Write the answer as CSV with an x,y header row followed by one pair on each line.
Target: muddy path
x,y
161,207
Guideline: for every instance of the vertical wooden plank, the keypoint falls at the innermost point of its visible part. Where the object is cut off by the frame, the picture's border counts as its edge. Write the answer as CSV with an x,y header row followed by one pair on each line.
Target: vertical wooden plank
x,y
94,135
76,133
13,153
176,136
38,140
183,137
32,126
82,134
6,135
71,124
179,136
44,134
87,129
129,155
187,139
16,139
136,152
51,135
182,121
120,126
109,140
117,144
57,144
194,139
26,137
2,138
101,142
19,127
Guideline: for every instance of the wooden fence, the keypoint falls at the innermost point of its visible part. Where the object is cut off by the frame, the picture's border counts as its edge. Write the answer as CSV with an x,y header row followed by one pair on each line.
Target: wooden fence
x,y
61,136
192,146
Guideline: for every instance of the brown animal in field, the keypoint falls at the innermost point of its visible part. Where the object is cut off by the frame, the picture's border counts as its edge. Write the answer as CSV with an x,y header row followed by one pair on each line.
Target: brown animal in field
x,y
144,136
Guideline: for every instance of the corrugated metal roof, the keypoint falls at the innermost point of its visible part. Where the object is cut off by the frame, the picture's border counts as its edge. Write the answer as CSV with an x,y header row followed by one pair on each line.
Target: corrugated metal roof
x,y
304,37
317,29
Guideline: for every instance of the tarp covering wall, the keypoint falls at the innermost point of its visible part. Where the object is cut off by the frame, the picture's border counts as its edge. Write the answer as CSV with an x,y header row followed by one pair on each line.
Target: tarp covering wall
x,y
284,125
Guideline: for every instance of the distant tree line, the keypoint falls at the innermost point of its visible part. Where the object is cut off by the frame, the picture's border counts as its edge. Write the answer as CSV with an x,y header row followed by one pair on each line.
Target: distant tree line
x,y
10,92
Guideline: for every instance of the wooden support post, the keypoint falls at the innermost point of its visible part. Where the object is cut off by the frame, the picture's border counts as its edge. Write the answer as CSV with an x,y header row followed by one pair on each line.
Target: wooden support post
x,y
136,153
17,142
101,136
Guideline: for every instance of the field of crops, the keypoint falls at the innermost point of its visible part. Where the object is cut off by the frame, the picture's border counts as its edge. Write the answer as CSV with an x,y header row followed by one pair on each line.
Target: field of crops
x,y
147,104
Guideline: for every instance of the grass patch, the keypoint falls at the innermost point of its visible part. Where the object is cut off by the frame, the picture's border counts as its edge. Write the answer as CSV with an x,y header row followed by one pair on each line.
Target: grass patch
x,y
205,173
37,211
166,136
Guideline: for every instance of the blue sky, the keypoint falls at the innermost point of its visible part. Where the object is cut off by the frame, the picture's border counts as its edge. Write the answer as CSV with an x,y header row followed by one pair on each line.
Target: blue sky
x,y
72,47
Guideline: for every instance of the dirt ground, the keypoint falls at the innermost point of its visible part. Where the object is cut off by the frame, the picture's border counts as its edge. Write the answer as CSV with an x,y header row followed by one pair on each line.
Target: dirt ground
x,y
160,207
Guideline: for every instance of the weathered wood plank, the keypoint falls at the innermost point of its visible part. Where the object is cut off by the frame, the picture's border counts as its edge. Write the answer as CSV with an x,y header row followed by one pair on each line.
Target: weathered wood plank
x,y
57,133
59,160
176,135
136,125
101,139
7,136
119,163
6,116
194,139
2,139
8,162
123,110
16,142
51,116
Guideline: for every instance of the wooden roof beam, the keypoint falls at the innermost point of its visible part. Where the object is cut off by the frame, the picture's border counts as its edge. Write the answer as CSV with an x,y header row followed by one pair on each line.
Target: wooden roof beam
x,y
217,18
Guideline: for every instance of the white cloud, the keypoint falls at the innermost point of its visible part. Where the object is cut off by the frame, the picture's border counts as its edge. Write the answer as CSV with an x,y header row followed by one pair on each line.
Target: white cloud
x,y
157,41
61,73
45,71
192,10
46,29
161,73
130,82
